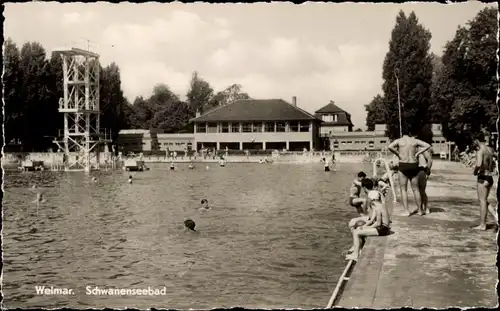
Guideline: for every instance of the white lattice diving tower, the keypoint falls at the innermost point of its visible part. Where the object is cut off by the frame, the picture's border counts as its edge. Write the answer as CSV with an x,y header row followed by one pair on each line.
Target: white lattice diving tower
x,y
80,106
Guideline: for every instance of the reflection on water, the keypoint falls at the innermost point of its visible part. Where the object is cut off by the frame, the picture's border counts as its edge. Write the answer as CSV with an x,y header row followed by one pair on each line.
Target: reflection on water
x,y
273,238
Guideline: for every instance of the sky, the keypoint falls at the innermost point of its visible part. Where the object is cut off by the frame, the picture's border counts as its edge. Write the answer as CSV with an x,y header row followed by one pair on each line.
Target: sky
x,y
316,51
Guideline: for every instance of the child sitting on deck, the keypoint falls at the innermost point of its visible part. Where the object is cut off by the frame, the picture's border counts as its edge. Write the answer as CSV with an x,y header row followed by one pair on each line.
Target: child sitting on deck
x,y
377,225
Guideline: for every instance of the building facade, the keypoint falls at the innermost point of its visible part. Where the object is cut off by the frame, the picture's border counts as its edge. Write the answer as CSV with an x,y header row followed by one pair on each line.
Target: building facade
x,y
376,140
257,124
333,120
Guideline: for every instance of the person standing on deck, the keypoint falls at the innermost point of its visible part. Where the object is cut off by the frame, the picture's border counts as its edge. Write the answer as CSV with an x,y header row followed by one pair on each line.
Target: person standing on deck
x,y
484,171
424,165
405,148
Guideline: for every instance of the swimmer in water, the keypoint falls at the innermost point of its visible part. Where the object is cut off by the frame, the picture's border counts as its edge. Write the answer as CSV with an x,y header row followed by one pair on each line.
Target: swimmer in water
x,y
378,224
130,179
172,166
327,165
204,205
39,195
190,224
191,166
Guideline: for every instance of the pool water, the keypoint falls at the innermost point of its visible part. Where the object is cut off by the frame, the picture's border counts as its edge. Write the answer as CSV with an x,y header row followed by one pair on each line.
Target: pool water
x,y
273,239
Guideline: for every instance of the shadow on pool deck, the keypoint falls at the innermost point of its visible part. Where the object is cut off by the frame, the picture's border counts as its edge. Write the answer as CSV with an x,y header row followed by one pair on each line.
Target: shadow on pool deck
x,y
434,261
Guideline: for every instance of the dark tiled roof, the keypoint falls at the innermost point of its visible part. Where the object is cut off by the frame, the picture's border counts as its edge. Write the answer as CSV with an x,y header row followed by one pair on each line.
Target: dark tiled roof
x,y
343,117
256,110
330,108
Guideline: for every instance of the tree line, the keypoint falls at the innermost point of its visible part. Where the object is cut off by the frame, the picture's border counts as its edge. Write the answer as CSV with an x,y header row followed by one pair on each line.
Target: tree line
x,y
457,90
33,85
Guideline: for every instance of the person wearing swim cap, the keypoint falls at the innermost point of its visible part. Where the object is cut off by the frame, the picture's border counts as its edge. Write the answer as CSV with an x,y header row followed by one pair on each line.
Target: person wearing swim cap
x,y
354,194
485,167
377,225
407,149
204,205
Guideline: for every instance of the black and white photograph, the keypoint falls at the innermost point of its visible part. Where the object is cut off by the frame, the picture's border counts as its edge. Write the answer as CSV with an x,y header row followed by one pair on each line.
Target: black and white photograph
x,y
256,155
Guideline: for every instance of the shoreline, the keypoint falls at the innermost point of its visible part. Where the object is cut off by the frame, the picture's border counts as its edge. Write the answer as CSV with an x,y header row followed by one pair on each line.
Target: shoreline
x,y
434,261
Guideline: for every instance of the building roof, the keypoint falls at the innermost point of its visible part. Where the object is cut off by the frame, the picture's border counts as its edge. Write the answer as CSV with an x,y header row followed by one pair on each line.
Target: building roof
x,y
330,108
255,110
343,117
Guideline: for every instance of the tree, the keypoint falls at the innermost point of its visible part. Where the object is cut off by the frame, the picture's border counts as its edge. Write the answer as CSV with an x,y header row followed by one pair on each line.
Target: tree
x,y
375,112
465,90
112,101
143,113
162,96
12,91
409,59
200,93
35,97
230,94
173,116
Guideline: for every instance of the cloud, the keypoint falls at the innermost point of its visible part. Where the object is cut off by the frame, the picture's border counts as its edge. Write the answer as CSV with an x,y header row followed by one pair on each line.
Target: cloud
x,y
77,18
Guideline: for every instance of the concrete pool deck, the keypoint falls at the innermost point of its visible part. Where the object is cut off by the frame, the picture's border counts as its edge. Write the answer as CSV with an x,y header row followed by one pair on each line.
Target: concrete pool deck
x,y
434,261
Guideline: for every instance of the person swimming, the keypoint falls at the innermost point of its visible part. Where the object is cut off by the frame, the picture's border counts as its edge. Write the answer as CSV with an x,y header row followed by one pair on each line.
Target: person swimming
x,y
204,204
190,224
39,195
191,166
327,165
172,166
130,179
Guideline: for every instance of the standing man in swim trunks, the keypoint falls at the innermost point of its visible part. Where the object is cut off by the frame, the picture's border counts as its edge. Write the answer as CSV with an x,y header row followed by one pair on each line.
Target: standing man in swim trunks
x,y
405,148
354,195
424,165
484,169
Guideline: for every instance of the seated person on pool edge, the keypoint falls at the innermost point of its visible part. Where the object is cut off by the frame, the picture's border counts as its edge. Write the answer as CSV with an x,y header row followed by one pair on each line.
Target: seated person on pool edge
x,y
377,225
361,221
355,192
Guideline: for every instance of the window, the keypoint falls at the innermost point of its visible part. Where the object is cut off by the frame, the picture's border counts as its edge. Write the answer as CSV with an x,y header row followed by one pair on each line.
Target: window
x,y
327,118
280,127
235,127
212,128
201,128
224,127
336,118
246,127
294,126
304,126
257,127
269,127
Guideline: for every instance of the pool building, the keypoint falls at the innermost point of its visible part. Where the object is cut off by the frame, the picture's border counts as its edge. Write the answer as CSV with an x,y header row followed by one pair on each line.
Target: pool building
x,y
257,124
268,124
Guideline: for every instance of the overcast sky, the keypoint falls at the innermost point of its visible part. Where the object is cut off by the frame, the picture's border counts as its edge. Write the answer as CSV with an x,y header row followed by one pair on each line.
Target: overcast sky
x,y
317,52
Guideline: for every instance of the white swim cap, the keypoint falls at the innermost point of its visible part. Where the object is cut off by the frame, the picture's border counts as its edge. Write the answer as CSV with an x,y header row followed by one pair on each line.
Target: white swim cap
x,y
374,195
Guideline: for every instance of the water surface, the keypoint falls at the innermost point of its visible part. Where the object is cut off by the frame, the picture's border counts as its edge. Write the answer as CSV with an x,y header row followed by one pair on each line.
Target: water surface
x,y
273,238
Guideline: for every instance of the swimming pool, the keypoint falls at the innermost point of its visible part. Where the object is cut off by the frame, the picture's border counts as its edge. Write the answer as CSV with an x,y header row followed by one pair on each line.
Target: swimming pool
x,y
273,238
